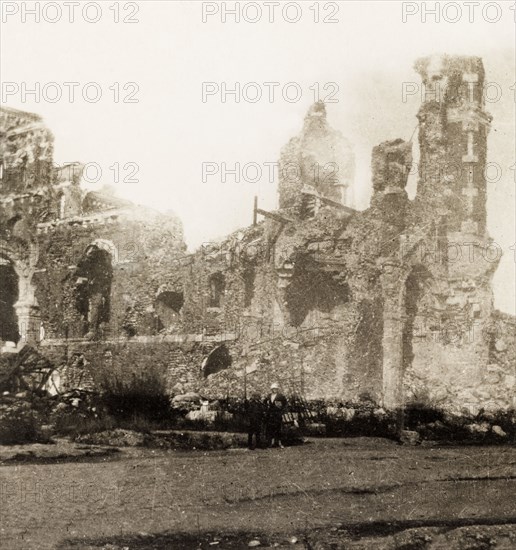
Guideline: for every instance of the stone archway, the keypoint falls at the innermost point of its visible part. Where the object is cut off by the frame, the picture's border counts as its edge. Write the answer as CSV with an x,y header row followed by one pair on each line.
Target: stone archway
x,y
107,246
168,306
402,289
219,359
93,288
18,263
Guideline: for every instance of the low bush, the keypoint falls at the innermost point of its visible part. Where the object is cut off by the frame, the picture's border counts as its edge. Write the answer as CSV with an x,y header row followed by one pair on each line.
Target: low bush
x,y
20,425
356,419
142,395
75,423
483,428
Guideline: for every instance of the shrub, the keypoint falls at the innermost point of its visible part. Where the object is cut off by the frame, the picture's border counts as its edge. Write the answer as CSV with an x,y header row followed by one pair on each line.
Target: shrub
x,y
142,395
416,414
187,441
356,419
20,425
136,402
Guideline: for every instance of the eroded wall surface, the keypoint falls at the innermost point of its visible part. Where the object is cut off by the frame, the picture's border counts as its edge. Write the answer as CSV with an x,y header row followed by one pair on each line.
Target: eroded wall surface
x,y
392,304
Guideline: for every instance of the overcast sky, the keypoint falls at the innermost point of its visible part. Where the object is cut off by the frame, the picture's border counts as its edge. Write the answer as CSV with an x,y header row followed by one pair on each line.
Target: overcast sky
x,y
167,132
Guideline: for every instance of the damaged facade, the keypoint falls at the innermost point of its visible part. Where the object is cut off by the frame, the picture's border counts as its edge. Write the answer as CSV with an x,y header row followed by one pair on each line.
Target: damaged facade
x,y
393,303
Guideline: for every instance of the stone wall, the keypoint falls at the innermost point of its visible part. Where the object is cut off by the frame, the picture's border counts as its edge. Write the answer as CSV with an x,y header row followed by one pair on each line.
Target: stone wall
x,y
384,304
49,227
141,250
178,359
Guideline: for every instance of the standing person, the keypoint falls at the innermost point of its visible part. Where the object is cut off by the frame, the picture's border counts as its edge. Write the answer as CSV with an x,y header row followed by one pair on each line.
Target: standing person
x,y
254,414
276,405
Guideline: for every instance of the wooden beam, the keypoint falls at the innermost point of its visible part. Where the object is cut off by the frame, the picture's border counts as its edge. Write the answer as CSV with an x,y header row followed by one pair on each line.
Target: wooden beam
x,y
255,211
314,193
338,205
274,216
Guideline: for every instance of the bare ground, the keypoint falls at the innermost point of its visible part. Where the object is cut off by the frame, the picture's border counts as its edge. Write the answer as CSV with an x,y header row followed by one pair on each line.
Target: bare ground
x,y
345,493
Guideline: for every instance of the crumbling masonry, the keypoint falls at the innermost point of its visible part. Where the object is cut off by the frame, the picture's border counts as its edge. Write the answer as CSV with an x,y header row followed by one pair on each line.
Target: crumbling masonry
x,y
393,303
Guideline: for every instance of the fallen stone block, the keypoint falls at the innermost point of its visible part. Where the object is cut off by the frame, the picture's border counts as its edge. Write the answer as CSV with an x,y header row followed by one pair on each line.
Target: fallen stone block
x,y
475,428
498,431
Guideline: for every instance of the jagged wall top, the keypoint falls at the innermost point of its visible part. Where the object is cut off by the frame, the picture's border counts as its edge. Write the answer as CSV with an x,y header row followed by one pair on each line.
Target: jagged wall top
x,y
449,78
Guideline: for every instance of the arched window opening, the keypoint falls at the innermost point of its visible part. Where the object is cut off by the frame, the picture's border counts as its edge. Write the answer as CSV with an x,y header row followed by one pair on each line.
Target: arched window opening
x,y
217,286
9,331
219,359
168,308
17,227
10,224
93,289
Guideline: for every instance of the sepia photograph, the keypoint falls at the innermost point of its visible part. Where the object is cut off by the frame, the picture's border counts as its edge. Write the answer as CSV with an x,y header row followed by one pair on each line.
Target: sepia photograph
x,y
257,275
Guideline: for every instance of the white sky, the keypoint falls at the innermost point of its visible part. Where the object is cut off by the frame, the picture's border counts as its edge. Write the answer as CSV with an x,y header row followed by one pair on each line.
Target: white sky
x,y
170,132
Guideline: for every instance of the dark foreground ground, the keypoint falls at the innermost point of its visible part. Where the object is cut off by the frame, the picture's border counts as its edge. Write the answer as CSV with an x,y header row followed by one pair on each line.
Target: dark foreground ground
x,y
345,493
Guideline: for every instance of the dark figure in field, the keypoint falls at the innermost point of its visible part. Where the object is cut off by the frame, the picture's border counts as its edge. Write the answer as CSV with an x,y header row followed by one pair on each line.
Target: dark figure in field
x,y
276,404
254,415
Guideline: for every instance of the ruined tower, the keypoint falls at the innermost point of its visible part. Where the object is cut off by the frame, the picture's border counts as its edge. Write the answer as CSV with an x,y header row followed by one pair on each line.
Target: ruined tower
x,y
317,166
453,139
448,296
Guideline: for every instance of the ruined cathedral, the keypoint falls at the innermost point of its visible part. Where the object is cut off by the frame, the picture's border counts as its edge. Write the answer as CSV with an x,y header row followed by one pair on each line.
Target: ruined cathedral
x,y
393,304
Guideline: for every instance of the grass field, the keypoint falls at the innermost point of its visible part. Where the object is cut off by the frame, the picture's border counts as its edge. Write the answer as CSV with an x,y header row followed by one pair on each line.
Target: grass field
x,y
355,490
